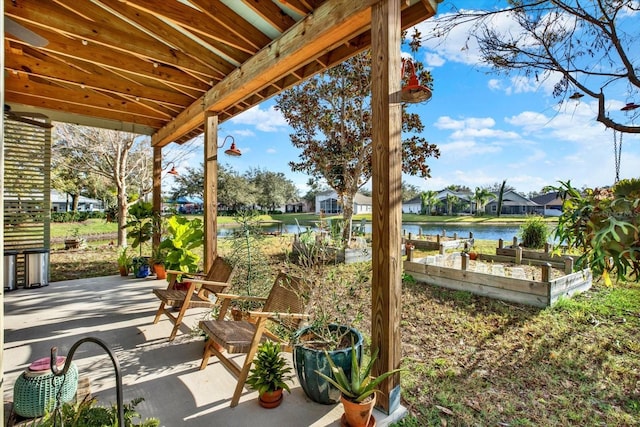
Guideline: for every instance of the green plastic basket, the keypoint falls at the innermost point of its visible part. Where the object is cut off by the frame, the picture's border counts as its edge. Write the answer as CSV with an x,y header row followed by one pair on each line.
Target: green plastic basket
x,y
33,396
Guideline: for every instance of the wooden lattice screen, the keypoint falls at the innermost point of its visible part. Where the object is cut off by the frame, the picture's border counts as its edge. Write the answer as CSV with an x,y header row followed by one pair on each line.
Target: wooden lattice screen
x,y
27,190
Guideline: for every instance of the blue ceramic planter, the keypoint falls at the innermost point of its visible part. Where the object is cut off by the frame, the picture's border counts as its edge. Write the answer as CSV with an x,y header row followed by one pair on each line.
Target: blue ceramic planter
x,y
143,271
308,360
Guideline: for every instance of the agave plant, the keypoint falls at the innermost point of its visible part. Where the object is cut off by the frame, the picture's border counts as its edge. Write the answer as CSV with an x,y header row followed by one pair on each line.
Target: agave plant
x,y
361,385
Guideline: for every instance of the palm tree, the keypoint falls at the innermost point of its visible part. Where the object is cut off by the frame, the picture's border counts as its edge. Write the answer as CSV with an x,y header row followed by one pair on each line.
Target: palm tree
x,y
429,199
452,199
480,196
500,196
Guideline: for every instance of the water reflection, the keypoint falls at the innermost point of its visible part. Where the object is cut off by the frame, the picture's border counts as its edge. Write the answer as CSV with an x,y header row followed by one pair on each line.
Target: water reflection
x,y
482,232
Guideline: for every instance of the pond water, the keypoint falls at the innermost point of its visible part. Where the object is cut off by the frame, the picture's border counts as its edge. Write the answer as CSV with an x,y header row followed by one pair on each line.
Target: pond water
x,y
481,232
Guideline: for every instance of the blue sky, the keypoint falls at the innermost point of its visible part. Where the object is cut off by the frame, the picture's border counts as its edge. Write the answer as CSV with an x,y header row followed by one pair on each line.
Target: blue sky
x,y
488,127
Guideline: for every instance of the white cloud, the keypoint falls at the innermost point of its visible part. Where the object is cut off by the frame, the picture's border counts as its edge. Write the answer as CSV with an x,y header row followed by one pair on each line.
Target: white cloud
x,y
268,120
271,150
434,60
446,122
494,84
244,132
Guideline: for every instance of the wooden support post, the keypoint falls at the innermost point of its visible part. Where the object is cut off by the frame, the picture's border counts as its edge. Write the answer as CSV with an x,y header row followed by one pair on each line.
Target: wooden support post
x,y
210,189
438,239
441,249
500,244
546,272
464,262
387,197
471,234
455,236
515,241
157,193
408,248
568,265
547,248
410,236
518,255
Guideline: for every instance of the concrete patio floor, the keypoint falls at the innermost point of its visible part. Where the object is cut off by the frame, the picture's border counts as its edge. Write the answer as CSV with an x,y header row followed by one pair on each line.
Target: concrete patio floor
x,y
120,312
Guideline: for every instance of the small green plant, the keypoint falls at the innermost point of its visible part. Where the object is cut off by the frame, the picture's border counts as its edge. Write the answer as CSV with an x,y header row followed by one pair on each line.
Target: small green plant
x,y
534,232
270,370
183,236
361,385
140,224
87,414
124,260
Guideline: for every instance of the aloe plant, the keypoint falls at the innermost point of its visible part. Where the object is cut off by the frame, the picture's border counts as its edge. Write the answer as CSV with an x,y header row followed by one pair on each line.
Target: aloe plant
x,y
361,385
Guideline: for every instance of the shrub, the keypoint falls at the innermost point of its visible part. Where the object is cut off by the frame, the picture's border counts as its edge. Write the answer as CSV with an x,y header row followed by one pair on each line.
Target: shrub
x,y
534,232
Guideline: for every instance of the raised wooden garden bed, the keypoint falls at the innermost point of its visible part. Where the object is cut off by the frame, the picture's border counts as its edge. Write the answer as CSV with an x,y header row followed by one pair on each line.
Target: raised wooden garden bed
x,y
438,242
521,289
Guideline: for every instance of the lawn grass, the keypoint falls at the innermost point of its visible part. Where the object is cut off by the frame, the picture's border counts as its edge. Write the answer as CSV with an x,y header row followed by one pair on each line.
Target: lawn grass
x,y
474,361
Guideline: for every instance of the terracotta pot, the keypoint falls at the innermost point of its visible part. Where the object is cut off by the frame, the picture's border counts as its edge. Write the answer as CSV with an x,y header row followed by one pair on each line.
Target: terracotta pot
x,y
124,271
271,399
358,414
161,272
237,314
473,256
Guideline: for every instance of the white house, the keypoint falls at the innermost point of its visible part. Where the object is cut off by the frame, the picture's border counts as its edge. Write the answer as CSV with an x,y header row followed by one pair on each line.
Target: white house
x,y
413,206
61,202
327,202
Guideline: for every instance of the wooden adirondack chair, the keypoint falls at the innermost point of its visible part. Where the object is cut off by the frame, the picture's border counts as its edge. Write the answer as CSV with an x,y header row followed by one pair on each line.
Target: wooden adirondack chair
x,y
284,305
193,292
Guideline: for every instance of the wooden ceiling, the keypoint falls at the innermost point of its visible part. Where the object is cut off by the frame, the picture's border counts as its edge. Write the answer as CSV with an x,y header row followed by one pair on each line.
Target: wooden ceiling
x,y
154,67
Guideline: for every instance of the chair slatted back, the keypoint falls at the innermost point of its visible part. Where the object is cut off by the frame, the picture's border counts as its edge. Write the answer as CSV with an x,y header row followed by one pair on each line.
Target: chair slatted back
x,y
286,296
221,271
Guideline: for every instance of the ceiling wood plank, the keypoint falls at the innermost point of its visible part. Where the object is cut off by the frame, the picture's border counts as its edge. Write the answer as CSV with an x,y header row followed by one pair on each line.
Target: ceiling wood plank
x,y
106,30
233,24
97,78
270,12
20,97
201,23
87,97
74,48
334,21
171,36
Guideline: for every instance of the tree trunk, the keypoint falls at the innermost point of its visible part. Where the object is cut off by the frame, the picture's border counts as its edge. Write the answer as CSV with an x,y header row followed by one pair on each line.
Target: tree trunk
x,y
74,202
122,218
347,215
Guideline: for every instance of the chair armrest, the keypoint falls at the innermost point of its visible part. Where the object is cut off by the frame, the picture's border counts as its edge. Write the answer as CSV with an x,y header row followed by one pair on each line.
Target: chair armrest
x,y
279,315
184,273
207,283
240,297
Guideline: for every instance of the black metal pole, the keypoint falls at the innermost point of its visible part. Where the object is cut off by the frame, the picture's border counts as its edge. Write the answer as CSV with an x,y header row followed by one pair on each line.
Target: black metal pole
x,y
116,366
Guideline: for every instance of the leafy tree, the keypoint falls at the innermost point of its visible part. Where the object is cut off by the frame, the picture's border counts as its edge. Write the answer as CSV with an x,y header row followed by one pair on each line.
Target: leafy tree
x,y
452,199
428,199
409,191
273,188
234,190
331,119
190,182
481,196
589,45
123,158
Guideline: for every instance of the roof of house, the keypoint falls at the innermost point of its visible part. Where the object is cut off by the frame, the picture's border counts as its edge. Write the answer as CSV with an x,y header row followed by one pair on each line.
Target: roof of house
x,y
58,197
552,198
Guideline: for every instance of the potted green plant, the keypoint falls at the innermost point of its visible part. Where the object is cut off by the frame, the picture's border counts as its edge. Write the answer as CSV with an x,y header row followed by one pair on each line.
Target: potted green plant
x,y
140,224
313,347
124,261
140,266
357,388
269,375
183,236
157,258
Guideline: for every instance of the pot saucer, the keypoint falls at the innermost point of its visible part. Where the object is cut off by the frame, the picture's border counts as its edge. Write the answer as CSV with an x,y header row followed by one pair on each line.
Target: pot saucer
x,y
343,421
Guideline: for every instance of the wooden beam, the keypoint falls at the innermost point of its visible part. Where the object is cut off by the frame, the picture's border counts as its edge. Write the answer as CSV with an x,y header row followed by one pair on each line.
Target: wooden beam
x,y
270,12
210,189
386,285
92,76
334,21
157,193
103,29
61,46
171,37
